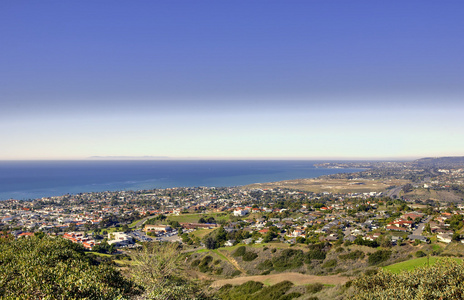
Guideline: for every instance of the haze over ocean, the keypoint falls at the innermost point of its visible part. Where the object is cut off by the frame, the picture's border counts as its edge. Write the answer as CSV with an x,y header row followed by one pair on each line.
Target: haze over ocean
x,y
35,179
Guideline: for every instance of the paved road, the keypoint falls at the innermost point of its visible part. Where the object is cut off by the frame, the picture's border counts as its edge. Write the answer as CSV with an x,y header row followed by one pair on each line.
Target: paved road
x,y
394,191
420,228
140,224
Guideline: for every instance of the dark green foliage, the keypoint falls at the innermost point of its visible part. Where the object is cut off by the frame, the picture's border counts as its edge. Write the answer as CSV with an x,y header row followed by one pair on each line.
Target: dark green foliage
x,y
43,268
240,251
195,263
314,288
204,265
288,259
267,264
315,254
357,254
249,287
207,259
362,242
420,253
330,263
371,272
249,256
225,288
210,243
251,290
104,248
317,251
290,296
379,256
443,281
274,292
236,273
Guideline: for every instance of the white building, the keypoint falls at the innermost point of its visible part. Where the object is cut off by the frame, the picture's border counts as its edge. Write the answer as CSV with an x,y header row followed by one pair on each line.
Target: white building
x,y
240,212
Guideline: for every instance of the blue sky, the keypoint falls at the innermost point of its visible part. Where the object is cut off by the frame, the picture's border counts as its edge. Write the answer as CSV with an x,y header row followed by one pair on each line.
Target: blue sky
x,y
236,79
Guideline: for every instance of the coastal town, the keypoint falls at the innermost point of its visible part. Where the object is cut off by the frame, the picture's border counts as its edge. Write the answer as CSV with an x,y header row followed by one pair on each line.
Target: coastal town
x,y
128,218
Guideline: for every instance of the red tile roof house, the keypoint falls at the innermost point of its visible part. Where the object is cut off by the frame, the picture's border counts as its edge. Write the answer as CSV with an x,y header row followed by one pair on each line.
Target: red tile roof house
x,y
395,228
25,234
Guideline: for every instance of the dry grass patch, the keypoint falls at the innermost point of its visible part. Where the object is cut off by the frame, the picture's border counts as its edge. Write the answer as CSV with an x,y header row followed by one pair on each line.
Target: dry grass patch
x,y
295,278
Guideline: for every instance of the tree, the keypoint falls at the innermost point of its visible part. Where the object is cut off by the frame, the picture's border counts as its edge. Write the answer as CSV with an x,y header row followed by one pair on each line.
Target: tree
x,y
210,243
158,268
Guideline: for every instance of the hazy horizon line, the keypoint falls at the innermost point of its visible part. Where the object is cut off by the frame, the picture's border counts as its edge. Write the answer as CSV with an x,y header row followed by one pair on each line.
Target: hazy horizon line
x,y
165,158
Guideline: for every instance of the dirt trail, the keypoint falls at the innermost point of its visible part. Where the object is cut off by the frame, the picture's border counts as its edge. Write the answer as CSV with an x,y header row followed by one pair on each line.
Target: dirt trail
x,y
296,278
233,262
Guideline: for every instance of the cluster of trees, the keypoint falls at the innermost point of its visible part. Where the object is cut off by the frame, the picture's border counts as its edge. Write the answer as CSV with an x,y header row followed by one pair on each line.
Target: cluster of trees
x,y
218,237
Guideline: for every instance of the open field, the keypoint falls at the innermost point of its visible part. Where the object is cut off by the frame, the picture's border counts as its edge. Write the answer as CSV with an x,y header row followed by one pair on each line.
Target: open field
x,y
446,196
200,233
193,218
318,185
296,278
415,263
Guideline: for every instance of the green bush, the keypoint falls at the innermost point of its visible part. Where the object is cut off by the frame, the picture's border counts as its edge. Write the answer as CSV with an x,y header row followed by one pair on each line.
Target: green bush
x,y
288,259
195,263
43,268
379,256
249,256
357,254
267,264
240,251
330,263
274,292
314,288
420,253
249,287
290,296
443,280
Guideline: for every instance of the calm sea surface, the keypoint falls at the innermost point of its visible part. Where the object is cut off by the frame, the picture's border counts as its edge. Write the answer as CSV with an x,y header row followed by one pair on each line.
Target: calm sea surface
x,y
35,179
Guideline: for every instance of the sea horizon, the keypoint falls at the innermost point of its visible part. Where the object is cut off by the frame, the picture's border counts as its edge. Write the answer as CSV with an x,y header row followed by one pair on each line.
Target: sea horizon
x,y
32,179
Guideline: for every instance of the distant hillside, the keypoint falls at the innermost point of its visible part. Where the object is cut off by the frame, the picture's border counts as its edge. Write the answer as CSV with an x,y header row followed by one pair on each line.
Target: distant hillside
x,y
451,161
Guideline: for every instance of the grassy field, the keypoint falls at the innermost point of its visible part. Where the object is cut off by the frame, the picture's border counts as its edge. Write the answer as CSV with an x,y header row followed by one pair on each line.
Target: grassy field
x,y
193,218
318,185
200,233
414,263
100,254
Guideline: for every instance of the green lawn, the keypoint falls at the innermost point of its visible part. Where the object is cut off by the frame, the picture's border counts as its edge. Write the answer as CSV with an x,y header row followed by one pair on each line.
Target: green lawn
x,y
414,263
200,233
193,218
100,254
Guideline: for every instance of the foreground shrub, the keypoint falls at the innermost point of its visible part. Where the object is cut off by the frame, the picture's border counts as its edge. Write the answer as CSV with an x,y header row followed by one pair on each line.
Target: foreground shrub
x,y
46,268
288,259
314,288
157,268
240,251
249,256
379,256
354,255
444,280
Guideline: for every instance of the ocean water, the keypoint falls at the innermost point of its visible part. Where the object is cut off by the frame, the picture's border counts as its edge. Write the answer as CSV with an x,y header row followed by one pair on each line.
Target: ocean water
x,y
36,179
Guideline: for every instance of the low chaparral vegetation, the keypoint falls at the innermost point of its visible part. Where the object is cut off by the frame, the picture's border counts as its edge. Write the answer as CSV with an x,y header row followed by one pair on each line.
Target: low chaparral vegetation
x,y
47,268
444,280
